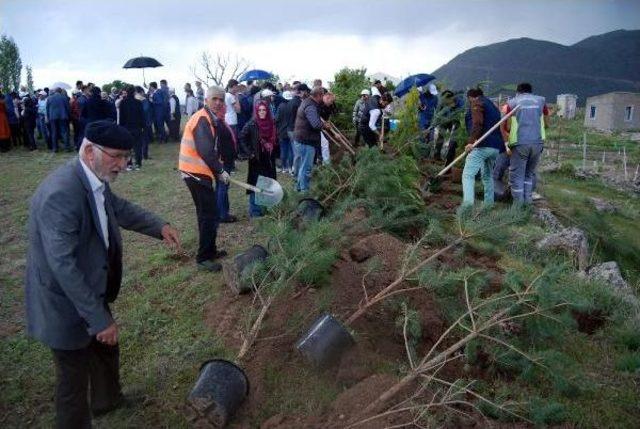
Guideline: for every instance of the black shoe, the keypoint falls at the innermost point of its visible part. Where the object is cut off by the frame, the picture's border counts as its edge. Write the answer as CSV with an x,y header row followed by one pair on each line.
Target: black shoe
x,y
124,401
210,266
229,219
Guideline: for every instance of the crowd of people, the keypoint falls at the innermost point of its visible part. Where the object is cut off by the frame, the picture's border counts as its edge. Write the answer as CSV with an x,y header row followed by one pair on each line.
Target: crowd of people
x,y
52,116
74,261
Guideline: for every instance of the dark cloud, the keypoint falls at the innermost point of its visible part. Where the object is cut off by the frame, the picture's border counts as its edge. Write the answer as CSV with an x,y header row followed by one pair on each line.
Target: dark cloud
x,y
107,31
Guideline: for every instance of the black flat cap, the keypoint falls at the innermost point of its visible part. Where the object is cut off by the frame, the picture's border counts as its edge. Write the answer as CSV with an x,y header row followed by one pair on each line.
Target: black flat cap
x,y
109,134
304,87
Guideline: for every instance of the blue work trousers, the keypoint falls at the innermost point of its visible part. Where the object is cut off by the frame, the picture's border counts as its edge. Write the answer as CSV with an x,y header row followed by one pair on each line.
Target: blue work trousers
x,y
306,154
480,159
522,171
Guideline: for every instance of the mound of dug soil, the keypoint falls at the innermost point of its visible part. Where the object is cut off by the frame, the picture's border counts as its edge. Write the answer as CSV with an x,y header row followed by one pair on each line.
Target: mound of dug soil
x,y
365,370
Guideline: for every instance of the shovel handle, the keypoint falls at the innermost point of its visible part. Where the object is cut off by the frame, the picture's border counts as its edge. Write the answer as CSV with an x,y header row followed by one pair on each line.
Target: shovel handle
x,y
246,185
480,140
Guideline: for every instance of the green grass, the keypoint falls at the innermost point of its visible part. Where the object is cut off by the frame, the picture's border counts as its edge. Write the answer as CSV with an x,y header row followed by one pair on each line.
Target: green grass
x,y
160,307
570,132
612,236
163,301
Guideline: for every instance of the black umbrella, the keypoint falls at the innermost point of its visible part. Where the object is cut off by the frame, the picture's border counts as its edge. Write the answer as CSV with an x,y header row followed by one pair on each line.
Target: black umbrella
x,y
141,63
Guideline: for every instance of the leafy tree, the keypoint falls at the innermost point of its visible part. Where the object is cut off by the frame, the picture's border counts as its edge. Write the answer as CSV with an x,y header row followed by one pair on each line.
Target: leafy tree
x,y
29,70
10,64
117,84
347,84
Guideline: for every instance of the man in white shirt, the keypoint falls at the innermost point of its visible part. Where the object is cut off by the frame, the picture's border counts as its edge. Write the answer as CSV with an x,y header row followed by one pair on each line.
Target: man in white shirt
x,y
232,106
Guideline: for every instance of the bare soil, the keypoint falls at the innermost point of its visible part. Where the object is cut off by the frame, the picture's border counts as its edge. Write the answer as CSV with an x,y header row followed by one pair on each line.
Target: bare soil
x,y
370,264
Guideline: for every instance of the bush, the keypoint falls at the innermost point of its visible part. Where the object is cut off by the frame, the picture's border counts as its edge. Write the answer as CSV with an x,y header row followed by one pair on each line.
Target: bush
x,y
347,85
567,169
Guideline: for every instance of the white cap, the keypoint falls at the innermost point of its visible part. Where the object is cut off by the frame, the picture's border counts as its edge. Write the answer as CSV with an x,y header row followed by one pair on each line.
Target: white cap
x,y
365,92
432,89
287,95
266,93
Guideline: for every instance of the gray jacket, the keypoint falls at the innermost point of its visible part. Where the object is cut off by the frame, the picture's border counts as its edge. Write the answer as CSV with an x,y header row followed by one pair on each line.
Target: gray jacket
x,y
66,275
308,123
57,107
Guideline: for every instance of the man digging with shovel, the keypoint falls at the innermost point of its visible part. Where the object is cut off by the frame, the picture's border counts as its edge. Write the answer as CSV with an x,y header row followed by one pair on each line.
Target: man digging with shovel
x,y
481,116
199,163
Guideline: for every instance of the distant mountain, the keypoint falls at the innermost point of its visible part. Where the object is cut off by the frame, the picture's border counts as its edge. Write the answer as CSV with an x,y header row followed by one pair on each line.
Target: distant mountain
x,y
596,65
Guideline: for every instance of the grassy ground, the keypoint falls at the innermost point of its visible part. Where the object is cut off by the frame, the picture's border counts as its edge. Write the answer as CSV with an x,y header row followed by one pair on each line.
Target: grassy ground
x,y
612,236
162,301
565,144
160,308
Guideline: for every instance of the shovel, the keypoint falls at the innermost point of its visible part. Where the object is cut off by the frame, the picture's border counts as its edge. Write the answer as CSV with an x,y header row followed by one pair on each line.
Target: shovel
x,y
435,181
381,142
268,191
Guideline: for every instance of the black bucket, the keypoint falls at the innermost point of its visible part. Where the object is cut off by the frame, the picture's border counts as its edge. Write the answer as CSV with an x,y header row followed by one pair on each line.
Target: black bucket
x,y
309,210
325,342
237,271
220,390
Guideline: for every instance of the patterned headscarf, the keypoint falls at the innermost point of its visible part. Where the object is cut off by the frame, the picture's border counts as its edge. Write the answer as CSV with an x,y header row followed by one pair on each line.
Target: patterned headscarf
x,y
266,128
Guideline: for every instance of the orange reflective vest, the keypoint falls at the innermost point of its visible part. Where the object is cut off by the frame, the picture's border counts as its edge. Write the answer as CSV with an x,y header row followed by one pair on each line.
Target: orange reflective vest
x,y
189,159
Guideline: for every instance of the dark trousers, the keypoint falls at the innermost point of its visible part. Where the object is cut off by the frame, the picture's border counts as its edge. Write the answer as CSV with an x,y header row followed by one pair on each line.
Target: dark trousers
x,y
147,139
174,129
29,134
96,365
78,132
222,196
370,138
161,134
59,129
205,199
16,134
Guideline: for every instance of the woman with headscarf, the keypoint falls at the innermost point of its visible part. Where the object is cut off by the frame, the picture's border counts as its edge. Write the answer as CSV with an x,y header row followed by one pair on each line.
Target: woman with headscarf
x,y
258,141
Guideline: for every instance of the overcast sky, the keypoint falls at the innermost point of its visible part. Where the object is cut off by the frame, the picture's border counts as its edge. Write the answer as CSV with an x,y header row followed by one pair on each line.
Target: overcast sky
x,y
65,40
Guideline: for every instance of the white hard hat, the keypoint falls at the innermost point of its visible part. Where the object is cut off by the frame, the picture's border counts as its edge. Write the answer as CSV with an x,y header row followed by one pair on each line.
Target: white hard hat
x,y
432,89
365,92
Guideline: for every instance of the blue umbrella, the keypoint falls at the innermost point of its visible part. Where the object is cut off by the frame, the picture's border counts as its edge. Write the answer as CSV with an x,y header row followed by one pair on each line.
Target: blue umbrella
x,y
416,80
255,75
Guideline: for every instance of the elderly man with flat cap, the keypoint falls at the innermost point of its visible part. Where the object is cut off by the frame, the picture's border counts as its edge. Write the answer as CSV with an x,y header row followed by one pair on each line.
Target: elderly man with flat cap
x,y
74,270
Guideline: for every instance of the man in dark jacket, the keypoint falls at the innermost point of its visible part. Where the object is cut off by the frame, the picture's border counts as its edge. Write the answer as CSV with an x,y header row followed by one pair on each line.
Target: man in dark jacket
x,y
74,272
96,109
58,111
285,121
174,115
481,115
157,99
132,118
372,118
307,136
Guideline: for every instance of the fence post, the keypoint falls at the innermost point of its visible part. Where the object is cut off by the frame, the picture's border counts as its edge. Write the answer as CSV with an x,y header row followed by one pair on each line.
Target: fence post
x,y
584,151
624,160
635,176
